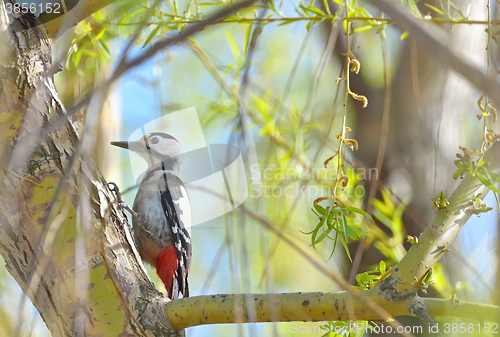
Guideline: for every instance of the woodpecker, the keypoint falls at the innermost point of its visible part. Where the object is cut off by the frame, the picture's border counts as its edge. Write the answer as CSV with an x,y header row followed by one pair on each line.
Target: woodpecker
x,y
161,214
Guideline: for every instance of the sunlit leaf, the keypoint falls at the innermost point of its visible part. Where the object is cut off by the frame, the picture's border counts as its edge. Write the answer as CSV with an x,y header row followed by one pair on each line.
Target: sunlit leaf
x,y
344,227
315,233
246,43
359,211
100,34
151,35
437,10
364,28
382,267
320,209
486,182
104,47
232,44
354,233
345,247
452,5
316,10
326,4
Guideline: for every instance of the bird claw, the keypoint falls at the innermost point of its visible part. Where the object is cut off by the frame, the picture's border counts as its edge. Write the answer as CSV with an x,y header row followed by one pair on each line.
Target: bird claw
x,y
142,219
116,190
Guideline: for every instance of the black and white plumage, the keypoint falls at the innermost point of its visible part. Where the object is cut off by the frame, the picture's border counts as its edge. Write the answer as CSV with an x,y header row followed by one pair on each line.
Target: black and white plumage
x,y
162,212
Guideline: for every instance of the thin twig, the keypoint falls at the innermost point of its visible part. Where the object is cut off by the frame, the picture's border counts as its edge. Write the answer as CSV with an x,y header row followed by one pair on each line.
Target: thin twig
x,y
384,133
249,146
415,78
182,20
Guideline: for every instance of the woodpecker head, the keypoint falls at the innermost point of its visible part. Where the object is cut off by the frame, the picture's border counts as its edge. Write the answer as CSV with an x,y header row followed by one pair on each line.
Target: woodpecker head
x,y
156,148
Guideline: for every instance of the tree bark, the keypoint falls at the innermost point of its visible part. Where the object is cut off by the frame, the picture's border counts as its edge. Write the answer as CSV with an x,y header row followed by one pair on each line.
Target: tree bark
x,y
61,235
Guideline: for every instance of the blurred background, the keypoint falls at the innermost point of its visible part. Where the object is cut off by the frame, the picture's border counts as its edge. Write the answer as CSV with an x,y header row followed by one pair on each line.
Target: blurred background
x,y
419,112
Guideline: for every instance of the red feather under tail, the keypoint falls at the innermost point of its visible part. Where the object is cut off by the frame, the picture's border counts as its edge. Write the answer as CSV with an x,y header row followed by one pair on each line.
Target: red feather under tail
x,y
166,268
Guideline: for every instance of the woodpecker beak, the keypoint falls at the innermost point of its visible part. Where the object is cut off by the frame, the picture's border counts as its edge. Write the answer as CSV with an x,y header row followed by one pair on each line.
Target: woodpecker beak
x,y
138,146
123,145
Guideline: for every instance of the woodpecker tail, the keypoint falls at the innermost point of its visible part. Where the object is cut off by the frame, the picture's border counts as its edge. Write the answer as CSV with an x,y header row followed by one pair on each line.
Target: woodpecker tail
x,y
166,269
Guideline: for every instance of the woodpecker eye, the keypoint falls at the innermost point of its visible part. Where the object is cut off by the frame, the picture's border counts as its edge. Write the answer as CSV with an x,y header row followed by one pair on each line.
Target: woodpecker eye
x,y
154,140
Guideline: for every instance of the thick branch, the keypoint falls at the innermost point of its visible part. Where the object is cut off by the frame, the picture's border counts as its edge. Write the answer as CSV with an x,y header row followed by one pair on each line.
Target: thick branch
x,y
456,308
313,307
439,235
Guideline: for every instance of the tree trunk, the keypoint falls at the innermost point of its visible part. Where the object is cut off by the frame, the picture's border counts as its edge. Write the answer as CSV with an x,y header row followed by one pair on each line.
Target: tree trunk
x,y
61,235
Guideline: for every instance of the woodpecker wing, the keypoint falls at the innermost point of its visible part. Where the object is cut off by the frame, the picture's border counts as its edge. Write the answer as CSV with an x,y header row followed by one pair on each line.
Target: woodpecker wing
x,y
177,209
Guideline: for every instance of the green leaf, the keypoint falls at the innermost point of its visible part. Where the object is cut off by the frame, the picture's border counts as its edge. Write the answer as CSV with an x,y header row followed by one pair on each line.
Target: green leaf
x,y
89,53
287,22
435,9
334,244
151,35
364,28
428,277
486,182
467,10
323,235
414,9
384,220
100,34
327,7
176,8
359,211
345,226
104,47
354,233
315,232
345,247
362,278
316,10
246,43
309,25
79,51
307,233
365,277
232,44
320,209
457,9
494,177
330,218
404,35
382,267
